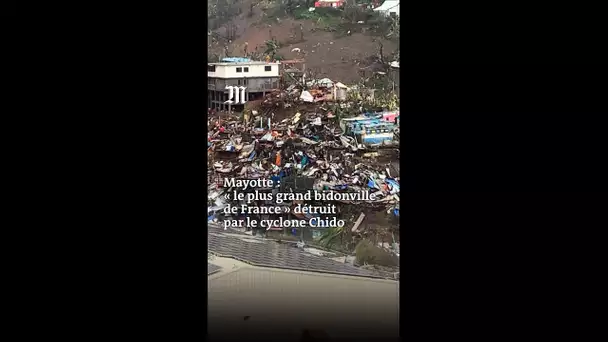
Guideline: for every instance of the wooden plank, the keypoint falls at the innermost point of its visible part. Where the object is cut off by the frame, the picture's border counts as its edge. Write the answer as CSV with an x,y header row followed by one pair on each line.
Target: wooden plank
x,y
358,222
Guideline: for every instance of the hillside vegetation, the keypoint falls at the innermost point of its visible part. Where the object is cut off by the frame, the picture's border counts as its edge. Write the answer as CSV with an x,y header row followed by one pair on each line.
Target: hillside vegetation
x,y
343,44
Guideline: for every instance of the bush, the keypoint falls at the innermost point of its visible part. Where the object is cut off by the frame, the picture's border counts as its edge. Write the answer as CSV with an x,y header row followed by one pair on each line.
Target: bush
x,y
213,58
368,253
318,13
355,13
303,13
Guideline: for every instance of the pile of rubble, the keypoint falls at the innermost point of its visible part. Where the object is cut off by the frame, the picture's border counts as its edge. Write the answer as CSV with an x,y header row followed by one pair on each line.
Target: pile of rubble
x,y
336,146
321,91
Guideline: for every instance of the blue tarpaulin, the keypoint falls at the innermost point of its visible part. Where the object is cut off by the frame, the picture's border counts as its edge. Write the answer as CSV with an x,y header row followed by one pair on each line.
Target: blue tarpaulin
x,y
275,180
340,187
393,183
236,60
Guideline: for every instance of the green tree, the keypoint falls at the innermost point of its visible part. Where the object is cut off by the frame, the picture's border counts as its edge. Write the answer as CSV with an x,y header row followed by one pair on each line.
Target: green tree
x,y
272,46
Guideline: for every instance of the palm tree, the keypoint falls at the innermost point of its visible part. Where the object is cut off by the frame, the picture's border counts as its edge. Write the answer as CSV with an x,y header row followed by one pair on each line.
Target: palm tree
x,y
272,46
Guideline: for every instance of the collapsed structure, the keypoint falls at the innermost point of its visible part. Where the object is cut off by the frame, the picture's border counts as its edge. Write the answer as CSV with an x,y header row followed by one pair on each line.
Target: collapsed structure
x,y
311,135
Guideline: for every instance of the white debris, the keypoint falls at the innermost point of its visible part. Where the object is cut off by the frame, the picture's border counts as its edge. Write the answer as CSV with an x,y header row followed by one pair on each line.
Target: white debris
x,y
318,252
267,137
306,96
341,85
295,49
297,117
358,222
324,82
308,141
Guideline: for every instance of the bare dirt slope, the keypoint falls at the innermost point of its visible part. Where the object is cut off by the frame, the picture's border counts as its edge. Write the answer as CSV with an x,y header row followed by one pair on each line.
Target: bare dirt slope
x,y
329,55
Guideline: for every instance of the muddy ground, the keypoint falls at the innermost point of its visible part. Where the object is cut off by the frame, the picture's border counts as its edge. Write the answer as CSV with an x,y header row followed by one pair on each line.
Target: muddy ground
x,y
328,54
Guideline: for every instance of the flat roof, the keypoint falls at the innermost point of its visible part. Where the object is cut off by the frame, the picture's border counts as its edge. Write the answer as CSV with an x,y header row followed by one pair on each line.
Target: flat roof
x,y
243,63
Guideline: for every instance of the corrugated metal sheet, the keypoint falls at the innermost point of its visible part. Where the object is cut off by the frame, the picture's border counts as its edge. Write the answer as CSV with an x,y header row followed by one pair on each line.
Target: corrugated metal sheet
x,y
272,254
341,94
211,268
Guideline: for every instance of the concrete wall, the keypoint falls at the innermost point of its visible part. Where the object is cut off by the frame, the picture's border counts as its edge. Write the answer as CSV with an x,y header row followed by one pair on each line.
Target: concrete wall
x,y
216,99
283,302
254,85
228,70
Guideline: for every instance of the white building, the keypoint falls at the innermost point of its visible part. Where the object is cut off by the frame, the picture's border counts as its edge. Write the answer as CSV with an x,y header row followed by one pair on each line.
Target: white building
x,y
256,77
242,70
